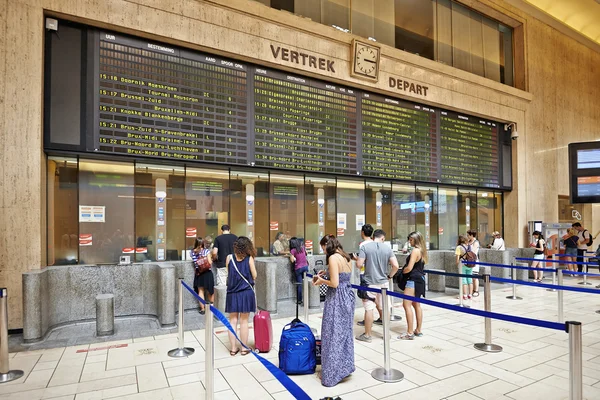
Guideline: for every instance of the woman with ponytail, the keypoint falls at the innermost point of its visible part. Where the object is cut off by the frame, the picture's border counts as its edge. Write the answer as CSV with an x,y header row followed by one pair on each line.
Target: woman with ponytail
x,y
337,339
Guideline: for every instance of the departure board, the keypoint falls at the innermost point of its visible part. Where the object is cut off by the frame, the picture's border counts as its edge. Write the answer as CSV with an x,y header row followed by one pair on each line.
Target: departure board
x,y
158,101
304,124
469,150
154,100
399,139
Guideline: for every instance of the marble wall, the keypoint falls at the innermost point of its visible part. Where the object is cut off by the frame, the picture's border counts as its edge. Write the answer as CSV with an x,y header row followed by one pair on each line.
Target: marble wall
x,y
561,75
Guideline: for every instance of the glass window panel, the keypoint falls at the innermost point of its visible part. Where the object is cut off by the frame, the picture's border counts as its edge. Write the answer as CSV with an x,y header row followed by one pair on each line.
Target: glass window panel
x,y
107,187
309,9
426,215
286,208
467,210
448,218
160,221
498,213
414,20
63,227
379,207
506,56
286,5
336,13
403,212
207,203
320,210
350,205
249,205
486,204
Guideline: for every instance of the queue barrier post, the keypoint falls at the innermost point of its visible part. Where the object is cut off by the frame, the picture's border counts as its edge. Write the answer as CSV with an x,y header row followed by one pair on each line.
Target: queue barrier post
x,y
488,346
209,354
461,302
181,350
386,374
553,273
575,361
584,269
6,375
513,276
305,297
560,296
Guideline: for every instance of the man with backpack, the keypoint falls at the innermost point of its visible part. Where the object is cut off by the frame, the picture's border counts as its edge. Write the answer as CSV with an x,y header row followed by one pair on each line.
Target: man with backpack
x,y
585,240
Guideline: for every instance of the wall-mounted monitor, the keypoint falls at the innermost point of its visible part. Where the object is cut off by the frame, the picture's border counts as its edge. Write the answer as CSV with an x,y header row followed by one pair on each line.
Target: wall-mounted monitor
x,y
584,168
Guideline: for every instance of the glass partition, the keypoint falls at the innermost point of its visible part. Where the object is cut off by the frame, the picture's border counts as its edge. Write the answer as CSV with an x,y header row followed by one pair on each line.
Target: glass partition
x,y
206,203
350,213
426,215
63,227
249,201
404,208
320,210
286,210
447,218
106,211
379,207
160,212
467,210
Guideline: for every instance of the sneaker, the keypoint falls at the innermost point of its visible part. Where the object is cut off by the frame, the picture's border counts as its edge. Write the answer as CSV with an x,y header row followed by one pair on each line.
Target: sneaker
x,y
464,297
364,338
360,323
407,336
469,297
377,322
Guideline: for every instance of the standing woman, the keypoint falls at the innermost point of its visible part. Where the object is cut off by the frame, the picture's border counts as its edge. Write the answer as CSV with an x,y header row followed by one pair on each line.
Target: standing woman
x,y
540,246
571,240
298,258
337,339
203,281
462,246
240,301
413,284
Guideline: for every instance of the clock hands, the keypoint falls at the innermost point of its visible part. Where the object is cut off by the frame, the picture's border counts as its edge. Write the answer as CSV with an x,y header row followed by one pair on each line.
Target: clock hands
x,y
370,61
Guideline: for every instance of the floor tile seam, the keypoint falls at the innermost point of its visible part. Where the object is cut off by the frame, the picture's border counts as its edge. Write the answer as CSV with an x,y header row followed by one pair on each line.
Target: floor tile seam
x,y
473,394
106,377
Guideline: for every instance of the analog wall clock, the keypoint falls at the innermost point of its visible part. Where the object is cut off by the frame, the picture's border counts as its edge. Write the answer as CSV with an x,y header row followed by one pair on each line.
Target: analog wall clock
x,y
365,60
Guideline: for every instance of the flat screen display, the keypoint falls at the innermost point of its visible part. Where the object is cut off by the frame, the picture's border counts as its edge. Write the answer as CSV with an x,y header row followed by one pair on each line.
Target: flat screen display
x,y
584,168
159,101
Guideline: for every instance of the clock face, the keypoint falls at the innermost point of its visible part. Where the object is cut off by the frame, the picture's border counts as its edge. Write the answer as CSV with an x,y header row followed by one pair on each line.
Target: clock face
x,y
366,60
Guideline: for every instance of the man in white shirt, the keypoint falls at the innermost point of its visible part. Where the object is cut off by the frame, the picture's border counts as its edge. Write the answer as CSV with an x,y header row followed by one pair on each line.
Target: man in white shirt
x,y
474,243
498,243
584,237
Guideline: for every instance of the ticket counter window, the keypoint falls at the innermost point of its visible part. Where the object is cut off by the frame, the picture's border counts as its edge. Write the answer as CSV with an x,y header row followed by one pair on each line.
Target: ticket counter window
x,y
250,208
350,215
206,203
379,207
160,212
403,213
489,219
106,211
447,209
63,226
286,211
426,215
320,211
467,211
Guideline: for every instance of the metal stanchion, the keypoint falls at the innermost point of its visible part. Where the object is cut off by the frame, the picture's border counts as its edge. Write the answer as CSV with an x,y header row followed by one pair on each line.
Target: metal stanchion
x,y
513,276
181,351
461,303
386,374
575,361
488,346
560,296
553,274
6,375
585,270
305,297
393,317
209,354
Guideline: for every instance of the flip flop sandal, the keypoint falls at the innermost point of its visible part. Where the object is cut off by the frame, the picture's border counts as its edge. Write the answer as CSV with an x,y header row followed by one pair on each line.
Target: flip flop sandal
x,y
406,336
475,294
233,353
245,352
418,334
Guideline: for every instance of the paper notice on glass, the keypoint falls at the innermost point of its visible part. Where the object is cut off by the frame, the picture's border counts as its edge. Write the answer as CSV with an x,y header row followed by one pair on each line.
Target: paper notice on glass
x,y
341,221
85,213
92,213
360,221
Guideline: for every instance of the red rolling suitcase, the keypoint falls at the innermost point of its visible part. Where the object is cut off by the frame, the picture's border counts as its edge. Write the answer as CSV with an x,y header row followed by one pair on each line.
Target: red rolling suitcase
x,y
263,332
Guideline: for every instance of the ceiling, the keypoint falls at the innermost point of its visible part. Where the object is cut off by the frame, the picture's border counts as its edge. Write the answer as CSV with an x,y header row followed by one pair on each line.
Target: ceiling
x,y
582,16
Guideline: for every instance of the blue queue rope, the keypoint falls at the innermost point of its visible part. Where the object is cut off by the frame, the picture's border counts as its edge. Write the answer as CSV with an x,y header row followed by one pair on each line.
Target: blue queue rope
x,y
474,276
545,285
509,266
579,273
285,380
548,260
568,255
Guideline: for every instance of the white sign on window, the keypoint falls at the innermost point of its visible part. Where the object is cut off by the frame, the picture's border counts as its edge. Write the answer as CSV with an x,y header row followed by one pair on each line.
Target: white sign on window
x,y
92,214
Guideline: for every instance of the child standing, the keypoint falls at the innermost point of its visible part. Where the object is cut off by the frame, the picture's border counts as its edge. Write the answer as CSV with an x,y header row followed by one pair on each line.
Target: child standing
x,y
462,247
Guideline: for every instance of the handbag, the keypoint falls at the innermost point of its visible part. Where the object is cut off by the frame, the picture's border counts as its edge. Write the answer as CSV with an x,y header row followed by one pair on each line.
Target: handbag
x,y
363,294
203,264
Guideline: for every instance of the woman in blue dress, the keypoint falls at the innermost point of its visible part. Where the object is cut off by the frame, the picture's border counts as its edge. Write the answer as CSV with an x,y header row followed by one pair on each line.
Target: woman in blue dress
x,y
337,339
240,301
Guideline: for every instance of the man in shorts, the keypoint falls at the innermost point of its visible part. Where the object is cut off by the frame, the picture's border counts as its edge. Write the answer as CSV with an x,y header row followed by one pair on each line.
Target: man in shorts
x,y
584,238
223,247
376,256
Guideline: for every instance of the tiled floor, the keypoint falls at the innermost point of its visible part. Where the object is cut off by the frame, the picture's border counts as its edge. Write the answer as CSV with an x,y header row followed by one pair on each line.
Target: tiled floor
x,y
440,365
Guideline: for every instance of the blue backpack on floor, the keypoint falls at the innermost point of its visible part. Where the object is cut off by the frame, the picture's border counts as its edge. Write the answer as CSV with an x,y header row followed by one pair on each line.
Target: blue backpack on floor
x,y
297,354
